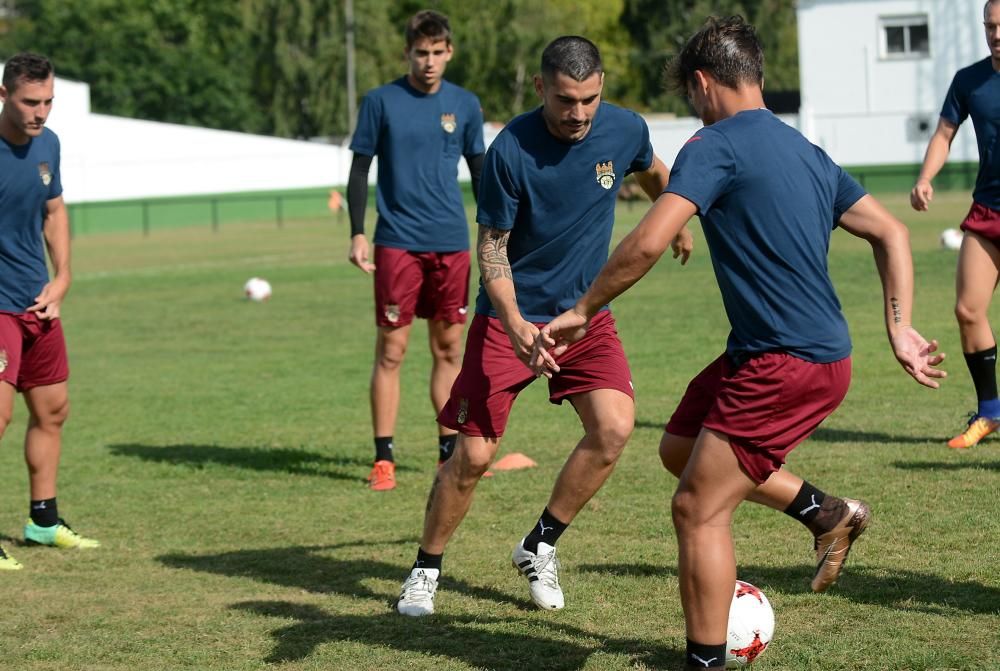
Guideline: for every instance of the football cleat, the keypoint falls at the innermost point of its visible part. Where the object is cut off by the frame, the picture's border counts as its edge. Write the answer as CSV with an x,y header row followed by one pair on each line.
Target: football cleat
x,y
8,563
417,595
832,546
59,535
979,427
542,571
383,476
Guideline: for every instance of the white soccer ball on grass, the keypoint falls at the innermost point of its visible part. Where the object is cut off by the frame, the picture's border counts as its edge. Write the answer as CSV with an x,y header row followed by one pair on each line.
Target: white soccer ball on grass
x,y
751,625
257,289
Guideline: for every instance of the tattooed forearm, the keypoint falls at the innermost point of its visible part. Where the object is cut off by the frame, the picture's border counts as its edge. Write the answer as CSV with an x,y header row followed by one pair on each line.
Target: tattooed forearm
x,y
492,249
897,317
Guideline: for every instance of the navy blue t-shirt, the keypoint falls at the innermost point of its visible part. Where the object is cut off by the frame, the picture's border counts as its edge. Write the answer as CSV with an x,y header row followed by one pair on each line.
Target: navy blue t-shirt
x,y
768,201
419,138
558,201
29,178
975,92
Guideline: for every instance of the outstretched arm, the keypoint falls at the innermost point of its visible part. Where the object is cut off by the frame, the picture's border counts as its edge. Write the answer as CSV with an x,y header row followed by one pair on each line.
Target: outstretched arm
x,y
890,243
634,256
935,158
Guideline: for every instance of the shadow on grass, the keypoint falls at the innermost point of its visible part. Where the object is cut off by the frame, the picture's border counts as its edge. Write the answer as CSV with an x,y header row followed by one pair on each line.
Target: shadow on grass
x,y
902,590
315,569
481,642
947,465
827,435
275,459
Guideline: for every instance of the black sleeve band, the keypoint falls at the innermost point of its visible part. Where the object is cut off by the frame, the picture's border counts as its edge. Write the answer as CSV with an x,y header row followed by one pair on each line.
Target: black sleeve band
x,y
476,171
357,192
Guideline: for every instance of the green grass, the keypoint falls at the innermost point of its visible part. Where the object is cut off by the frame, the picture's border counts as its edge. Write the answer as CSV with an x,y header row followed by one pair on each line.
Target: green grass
x,y
217,448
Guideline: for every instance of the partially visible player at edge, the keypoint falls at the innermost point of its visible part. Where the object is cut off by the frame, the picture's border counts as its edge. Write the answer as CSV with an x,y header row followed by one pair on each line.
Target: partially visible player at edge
x,y
546,213
418,125
768,201
32,348
974,92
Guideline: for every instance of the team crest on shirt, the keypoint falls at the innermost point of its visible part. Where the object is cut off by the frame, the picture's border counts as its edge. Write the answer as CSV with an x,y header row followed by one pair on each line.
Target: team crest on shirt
x,y
606,174
45,173
392,313
463,411
449,123
3,360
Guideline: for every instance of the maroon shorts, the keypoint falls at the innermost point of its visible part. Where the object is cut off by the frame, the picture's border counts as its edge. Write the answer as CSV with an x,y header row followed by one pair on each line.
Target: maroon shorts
x,y
32,351
766,407
429,285
984,221
492,375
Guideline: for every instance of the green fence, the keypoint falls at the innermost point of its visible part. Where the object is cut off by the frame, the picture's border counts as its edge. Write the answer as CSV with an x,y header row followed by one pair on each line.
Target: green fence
x,y
900,178
148,215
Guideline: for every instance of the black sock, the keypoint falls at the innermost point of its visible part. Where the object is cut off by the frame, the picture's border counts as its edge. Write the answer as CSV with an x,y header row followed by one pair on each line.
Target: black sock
x,y
806,505
547,530
426,560
44,512
383,449
701,656
446,445
983,369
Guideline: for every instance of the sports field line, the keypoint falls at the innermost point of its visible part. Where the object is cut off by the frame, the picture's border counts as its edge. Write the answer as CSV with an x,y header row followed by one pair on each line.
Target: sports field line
x,y
270,260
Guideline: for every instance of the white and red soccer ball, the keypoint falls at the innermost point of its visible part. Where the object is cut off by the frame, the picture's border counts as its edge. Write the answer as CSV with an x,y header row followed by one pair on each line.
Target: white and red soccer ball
x,y
257,289
751,625
951,238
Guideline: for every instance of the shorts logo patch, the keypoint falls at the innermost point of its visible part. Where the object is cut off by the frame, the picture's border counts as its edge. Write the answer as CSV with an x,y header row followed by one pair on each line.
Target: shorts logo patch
x,y
449,123
45,173
463,411
3,360
463,310
606,174
392,313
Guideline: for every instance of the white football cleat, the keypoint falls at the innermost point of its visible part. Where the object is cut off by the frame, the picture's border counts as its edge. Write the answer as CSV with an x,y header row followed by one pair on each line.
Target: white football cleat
x,y
417,596
542,571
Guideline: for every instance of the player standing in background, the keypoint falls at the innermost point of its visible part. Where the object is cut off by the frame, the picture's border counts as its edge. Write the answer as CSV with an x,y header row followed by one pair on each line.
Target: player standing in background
x,y
32,348
546,212
974,92
418,125
768,201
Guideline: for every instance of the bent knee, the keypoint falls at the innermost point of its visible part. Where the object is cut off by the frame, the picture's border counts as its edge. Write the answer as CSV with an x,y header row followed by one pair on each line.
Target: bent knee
x,y
52,418
968,314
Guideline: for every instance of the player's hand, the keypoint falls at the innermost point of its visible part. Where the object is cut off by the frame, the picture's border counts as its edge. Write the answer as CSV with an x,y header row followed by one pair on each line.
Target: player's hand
x,y
359,253
555,337
47,302
682,245
922,195
522,338
917,357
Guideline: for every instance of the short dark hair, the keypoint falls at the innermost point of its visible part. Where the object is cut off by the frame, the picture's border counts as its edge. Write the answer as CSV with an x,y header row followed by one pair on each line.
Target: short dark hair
x,y
986,8
728,48
427,24
572,55
27,66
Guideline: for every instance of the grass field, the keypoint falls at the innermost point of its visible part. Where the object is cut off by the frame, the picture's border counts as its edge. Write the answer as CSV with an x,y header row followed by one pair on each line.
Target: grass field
x,y
218,447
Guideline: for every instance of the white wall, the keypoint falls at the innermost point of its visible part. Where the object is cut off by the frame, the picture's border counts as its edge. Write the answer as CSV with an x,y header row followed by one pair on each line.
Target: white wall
x,y
865,109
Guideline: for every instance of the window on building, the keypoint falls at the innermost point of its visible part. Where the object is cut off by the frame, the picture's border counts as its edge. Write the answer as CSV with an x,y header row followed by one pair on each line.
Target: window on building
x,y
905,36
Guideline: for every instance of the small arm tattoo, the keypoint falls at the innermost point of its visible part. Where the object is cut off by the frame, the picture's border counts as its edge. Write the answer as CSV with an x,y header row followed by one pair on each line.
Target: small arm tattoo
x,y
492,246
897,317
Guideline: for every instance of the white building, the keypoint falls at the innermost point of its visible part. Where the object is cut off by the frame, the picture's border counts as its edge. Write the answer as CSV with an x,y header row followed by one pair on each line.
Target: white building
x,y
874,74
